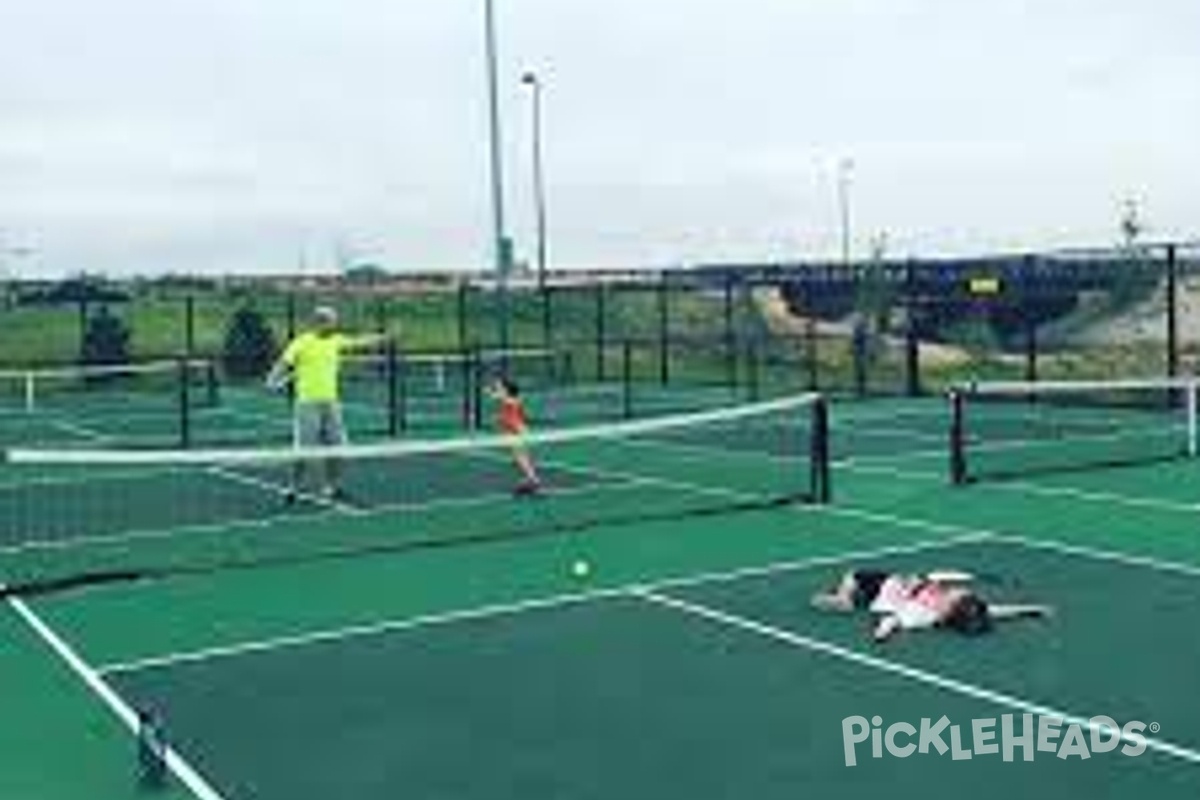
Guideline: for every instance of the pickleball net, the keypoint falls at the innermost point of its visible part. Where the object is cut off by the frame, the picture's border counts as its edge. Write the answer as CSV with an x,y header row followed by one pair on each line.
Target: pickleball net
x,y
80,516
1014,429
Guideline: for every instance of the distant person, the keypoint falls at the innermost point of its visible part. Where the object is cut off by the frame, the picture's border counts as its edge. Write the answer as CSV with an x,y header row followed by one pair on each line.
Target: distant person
x,y
312,364
942,599
513,422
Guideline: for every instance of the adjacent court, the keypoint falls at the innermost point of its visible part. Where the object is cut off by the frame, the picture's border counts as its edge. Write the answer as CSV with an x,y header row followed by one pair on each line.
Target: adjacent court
x,y
432,639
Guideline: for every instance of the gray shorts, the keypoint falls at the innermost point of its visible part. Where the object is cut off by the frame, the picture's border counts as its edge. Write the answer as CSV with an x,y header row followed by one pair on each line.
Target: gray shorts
x,y
319,424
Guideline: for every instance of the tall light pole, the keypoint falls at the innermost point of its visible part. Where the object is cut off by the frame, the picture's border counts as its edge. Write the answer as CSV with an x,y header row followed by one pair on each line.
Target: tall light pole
x,y
501,243
845,173
530,79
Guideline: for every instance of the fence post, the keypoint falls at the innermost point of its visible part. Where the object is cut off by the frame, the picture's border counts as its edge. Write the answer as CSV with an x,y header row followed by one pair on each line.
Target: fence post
x,y
601,312
664,324
1172,312
912,344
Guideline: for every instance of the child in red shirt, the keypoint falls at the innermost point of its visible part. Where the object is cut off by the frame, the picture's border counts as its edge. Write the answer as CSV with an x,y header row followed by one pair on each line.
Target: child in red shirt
x,y
513,423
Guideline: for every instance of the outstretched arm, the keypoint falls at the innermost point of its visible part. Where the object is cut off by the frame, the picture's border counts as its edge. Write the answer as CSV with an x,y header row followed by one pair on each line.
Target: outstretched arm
x,y
368,340
1002,612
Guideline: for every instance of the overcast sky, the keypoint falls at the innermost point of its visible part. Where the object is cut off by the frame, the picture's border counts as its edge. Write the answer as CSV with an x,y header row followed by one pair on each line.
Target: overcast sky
x,y
220,135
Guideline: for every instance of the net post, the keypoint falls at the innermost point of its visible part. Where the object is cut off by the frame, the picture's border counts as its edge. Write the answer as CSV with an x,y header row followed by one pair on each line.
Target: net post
x,y
820,484
29,381
627,379
958,455
185,401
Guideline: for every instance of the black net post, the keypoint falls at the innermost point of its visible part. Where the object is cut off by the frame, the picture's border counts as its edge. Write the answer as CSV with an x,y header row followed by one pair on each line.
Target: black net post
x,y
958,454
664,330
627,378
1172,312
820,489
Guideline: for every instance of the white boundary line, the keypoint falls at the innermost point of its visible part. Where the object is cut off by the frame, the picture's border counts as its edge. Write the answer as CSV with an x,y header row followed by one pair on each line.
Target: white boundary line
x,y
1126,559
510,609
186,774
749,625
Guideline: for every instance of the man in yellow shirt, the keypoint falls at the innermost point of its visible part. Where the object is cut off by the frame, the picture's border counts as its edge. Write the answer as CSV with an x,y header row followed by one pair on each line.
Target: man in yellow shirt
x,y
312,363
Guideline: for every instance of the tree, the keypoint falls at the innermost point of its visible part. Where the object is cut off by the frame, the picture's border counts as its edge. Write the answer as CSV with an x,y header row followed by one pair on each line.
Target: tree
x,y
250,344
105,339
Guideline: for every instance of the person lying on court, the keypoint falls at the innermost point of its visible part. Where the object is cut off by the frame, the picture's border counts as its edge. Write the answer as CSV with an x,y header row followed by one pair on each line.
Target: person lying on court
x,y
941,599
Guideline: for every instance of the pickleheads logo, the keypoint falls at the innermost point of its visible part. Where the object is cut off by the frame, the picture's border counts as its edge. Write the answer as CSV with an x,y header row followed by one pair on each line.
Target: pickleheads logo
x,y
989,737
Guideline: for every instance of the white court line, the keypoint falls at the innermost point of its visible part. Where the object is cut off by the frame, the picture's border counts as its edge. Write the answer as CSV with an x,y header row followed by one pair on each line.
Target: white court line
x,y
511,609
201,788
1129,560
793,639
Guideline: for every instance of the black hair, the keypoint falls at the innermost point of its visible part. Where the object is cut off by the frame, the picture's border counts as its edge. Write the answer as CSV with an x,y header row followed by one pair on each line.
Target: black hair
x,y
867,584
969,615
509,386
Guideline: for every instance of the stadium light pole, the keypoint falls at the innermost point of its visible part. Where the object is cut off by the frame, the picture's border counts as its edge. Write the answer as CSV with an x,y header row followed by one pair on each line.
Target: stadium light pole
x,y
845,172
531,80
501,243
